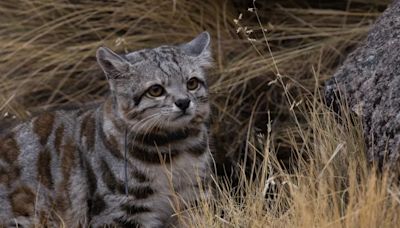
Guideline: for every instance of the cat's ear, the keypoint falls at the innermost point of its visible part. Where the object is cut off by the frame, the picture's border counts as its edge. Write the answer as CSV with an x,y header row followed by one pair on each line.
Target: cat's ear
x,y
199,48
113,65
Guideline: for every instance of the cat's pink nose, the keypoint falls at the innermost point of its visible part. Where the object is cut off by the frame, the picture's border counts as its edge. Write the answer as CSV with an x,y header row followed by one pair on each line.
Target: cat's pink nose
x,y
183,104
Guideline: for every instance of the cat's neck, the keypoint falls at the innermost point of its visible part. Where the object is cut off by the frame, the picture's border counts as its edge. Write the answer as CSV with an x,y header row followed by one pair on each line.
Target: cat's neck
x,y
153,146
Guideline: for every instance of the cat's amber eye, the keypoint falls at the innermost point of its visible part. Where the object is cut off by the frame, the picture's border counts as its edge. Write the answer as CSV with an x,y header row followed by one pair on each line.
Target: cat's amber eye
x,y
155,91
193,84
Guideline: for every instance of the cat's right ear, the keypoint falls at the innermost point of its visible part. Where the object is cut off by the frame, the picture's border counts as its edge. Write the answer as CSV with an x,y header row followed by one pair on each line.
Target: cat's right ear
x,y
113,65
199,49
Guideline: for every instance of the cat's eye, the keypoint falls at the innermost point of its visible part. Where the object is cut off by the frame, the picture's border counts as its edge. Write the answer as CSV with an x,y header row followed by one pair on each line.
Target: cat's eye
x,y
155,91
193,84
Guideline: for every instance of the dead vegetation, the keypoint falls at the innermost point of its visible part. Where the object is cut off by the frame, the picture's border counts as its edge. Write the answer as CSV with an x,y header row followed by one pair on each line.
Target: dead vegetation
x,y
302,168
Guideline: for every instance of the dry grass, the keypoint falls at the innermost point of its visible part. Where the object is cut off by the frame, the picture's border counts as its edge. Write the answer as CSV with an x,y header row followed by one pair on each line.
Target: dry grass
x,y
333,187
304,167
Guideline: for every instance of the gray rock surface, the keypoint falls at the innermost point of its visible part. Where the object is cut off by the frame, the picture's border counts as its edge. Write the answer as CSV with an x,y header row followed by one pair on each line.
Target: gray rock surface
x,y
370,81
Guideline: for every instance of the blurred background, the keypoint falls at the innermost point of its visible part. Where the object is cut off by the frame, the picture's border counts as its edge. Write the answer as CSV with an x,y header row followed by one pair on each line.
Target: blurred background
x,y
270,57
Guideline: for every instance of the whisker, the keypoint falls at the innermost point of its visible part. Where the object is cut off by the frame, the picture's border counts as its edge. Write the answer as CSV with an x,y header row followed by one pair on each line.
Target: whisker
x,y
138,127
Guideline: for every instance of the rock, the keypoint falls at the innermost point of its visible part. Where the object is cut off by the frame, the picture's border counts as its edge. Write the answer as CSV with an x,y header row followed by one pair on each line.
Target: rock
x,y
370,81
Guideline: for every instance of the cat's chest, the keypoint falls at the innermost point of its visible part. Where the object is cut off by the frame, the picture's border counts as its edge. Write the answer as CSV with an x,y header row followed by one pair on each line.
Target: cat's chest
x,y
183,174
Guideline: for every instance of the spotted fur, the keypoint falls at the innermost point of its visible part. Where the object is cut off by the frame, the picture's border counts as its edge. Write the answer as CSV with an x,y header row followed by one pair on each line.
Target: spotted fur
x,y
119,164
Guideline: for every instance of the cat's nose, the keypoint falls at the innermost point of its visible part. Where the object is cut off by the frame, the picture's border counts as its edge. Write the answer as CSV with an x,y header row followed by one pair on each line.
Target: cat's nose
x,y
183,104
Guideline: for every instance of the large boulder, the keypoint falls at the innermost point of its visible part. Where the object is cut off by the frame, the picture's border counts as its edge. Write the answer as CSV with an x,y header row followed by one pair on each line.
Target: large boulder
x,y
369,80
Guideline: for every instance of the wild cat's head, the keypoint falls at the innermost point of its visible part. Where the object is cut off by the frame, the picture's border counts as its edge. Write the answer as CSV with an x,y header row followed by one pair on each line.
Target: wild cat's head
x,y
161,87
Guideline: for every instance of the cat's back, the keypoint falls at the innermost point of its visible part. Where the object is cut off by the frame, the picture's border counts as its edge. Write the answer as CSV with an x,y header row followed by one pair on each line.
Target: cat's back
x,y
46,127
38,132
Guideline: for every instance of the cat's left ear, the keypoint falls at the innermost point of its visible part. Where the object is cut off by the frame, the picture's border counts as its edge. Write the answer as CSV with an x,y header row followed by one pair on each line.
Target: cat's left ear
x,y
113,65
199,48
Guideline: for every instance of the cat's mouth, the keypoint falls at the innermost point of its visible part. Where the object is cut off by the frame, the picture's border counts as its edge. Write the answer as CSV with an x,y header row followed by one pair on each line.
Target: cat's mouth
x,y
181,115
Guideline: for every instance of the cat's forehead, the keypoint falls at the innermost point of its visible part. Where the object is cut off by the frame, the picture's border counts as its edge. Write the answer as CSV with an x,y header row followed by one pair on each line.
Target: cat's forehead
x,y
166,62
162,53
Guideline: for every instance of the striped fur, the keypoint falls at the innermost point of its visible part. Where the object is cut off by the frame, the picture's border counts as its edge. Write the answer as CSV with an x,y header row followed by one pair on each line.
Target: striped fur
x,y
70,167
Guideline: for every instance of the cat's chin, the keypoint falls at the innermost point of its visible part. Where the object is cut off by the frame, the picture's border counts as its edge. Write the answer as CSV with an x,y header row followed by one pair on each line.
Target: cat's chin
x,y
179,121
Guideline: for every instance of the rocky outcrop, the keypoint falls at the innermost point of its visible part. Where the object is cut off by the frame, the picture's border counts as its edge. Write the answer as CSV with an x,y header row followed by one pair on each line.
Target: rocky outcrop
x,y
370,82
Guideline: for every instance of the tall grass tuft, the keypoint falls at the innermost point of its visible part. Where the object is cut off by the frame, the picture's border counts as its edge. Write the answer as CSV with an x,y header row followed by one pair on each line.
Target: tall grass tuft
x,y
332,184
